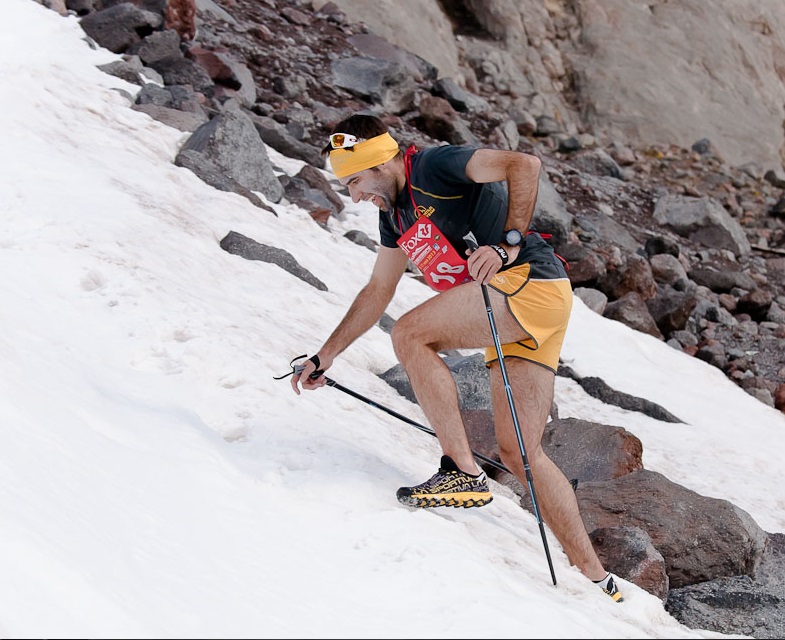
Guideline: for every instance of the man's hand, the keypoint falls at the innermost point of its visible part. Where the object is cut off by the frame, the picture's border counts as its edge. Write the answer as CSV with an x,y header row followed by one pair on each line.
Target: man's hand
x,y
484,263
309,375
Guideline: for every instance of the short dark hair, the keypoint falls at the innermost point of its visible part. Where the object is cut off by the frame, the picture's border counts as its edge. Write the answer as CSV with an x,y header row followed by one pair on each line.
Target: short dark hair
x,y
360,125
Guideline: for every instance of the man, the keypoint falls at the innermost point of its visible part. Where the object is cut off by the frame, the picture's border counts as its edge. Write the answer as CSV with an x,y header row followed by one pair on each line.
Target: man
x,y
428,202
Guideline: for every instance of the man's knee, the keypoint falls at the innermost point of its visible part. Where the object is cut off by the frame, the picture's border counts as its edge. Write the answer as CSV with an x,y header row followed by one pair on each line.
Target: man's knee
x,y
403,334
512,457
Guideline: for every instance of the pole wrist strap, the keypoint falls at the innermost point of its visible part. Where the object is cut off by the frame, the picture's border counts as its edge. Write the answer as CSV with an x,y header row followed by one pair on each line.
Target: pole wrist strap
x,y
502,253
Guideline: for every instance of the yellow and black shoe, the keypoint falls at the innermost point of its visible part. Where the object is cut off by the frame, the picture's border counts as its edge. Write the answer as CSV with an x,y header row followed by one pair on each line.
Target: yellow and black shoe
x,y
448,487
609,586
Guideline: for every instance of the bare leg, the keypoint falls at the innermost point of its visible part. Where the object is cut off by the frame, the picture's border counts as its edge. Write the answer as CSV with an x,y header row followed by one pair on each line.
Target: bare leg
x,y
456,319
453,319
532,391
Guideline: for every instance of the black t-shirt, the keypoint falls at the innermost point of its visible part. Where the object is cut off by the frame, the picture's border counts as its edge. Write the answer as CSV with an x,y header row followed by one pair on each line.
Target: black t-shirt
x,y
457,205
453,202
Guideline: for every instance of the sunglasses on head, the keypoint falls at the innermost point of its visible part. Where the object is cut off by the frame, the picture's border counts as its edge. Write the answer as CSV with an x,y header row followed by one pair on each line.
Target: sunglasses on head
x,y
344,140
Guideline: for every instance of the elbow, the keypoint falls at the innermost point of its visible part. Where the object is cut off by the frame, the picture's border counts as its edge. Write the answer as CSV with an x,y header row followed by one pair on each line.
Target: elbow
x,y
523,164
525,167
379,292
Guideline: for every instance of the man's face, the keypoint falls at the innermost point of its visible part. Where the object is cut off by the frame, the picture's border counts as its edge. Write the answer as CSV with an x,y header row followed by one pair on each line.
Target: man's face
x,y
376,185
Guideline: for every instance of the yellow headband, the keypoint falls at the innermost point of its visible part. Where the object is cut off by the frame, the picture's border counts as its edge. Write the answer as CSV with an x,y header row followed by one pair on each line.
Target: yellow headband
x,y
363,155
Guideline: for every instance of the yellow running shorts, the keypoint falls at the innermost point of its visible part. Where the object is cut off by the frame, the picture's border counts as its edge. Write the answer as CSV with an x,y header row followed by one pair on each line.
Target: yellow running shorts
x,y
542,307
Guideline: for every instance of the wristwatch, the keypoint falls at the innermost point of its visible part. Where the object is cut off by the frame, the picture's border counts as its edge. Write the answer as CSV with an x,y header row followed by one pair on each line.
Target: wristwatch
x,y
513,238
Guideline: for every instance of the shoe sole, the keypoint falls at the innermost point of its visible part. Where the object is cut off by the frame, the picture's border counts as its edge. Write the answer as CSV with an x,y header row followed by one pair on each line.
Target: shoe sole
x,y
464,500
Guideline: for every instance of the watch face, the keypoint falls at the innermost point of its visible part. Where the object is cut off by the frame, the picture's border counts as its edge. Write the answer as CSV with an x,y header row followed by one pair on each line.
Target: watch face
x,y
513,238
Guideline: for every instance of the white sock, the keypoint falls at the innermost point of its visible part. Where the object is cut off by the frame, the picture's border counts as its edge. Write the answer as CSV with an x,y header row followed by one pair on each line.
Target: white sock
x,y
604,582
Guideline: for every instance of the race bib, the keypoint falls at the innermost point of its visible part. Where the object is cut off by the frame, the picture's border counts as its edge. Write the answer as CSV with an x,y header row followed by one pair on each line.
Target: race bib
x,y
434,256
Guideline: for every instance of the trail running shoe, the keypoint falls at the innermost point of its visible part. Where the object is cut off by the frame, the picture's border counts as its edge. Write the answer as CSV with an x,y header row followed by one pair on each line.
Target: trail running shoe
x,y
448,487
609,586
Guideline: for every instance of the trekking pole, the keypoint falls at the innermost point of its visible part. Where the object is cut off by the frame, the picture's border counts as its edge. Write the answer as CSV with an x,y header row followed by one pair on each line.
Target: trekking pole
x,y
471,241
333,383
354,394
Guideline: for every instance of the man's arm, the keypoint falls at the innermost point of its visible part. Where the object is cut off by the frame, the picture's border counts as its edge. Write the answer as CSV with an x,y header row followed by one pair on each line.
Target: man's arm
x,y
367,308
521,171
